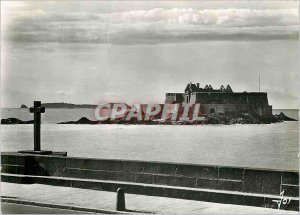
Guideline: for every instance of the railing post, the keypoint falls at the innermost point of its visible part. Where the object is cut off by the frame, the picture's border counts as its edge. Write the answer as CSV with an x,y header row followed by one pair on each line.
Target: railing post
x,y
120,200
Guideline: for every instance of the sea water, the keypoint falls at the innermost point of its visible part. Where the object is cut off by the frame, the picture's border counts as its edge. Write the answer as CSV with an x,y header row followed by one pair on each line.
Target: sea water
x,y
271,146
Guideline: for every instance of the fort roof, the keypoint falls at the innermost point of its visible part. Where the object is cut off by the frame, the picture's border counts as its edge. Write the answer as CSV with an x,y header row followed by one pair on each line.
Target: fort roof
x,y
194,88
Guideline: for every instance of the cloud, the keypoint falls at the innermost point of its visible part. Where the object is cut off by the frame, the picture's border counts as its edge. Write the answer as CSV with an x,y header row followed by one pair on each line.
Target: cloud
x,y
219,17
14,5
153,26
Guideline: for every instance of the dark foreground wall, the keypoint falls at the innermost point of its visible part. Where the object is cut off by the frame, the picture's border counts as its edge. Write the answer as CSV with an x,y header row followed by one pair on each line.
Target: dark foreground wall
x,y
245,181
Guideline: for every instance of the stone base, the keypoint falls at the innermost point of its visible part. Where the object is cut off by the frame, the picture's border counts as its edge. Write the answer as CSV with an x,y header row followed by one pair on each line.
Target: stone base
x,y
43,152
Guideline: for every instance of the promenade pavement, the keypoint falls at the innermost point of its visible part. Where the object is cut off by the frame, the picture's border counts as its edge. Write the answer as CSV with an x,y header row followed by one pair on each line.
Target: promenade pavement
x,y
135,203
10,208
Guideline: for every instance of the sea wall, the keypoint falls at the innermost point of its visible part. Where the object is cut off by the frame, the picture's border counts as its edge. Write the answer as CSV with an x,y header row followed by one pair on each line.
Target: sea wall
x,y
174,174
259,182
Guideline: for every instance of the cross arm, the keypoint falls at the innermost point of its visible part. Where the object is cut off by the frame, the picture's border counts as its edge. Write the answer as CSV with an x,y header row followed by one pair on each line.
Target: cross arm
x,y
37,110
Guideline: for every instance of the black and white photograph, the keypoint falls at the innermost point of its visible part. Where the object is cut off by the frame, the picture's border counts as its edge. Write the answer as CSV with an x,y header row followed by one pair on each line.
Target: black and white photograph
x,y
149,107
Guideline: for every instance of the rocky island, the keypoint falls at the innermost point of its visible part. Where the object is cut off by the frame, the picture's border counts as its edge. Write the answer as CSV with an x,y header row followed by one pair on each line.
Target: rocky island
x,y
213,106
23,106
221,119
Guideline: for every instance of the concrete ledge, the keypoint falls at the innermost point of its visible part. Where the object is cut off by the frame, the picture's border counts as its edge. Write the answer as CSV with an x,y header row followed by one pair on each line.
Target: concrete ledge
x,y
172,174
262,181
220,184
209,195
13,169
66,207
290,178
36,152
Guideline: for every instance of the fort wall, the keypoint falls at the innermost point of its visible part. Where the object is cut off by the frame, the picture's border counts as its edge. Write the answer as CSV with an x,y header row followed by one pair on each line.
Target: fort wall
x,y
222,100
218,108
245,102
173,98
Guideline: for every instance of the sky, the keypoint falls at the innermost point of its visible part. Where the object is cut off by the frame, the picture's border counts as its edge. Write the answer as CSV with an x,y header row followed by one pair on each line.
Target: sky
x,y
136,51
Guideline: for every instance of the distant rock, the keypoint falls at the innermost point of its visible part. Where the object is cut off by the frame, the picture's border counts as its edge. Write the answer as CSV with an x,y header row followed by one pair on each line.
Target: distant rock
x,y
63,105
283,117
82,120
67,105
11,121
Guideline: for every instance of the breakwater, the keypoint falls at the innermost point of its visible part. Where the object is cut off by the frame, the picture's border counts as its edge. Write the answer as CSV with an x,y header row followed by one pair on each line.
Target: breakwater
x,y
232,185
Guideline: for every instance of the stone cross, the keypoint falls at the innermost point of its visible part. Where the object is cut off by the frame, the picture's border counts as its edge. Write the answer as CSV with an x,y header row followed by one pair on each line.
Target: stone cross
x,y
37,109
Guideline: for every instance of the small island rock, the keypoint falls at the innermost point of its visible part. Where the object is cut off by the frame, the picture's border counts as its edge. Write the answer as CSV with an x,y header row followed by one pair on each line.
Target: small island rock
x,y
82,120
11,121
283,117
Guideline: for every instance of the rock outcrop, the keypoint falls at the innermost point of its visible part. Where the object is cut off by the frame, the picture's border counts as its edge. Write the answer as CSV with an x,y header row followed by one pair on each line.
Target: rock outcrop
x,y
82,120
11,121
223,119
23,106
283,117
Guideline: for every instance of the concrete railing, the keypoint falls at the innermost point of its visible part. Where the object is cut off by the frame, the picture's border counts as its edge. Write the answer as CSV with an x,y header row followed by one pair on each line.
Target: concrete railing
x,y
247,180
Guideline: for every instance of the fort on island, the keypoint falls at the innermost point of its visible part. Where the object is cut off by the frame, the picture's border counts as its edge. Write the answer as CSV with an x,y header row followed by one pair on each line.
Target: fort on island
x,y
196,105
222,100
